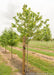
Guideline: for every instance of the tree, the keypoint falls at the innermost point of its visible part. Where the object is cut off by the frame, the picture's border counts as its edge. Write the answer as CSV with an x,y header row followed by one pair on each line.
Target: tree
x,y
46,33
27,23
38,35
12,39
4,39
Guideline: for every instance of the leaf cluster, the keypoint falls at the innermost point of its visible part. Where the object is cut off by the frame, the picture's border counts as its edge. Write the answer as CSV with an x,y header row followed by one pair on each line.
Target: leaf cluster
x,y
9,37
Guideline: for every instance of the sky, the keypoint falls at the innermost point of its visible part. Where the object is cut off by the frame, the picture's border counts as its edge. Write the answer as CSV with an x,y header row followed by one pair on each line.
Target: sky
x,y
9,8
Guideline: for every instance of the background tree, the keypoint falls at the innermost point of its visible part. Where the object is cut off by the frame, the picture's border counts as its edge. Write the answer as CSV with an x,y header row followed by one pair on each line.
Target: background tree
x,y
27,23
12,39
4,39
46,33
38,35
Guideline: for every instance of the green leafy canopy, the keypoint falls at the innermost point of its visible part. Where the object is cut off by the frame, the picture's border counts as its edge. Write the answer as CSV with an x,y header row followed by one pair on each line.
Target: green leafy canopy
x,y
28,22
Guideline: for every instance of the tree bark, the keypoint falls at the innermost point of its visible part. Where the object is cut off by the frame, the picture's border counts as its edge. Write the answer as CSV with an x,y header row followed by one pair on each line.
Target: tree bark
x,y
23,65
5,49
11,52
27,57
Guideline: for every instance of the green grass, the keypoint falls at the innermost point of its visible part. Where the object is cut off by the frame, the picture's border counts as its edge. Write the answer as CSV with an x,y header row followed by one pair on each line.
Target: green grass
x,y
5,70
19,53
45,44
40,44
45,48
42,64
40,51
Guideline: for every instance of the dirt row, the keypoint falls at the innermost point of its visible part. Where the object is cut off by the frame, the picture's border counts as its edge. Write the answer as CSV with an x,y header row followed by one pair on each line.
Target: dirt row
x,y
41,56
42,49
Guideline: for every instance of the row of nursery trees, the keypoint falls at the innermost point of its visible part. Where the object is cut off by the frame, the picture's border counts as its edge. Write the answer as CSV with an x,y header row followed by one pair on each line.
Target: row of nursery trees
x,y
9,38
30,25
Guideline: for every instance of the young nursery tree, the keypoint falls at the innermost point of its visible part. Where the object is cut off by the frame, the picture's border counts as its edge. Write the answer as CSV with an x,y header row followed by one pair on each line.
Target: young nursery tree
x,y
27,23
38,35
46,33
4,39
12,39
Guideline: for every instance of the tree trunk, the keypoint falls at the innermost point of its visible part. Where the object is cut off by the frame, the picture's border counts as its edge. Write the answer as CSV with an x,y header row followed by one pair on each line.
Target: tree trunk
x,y
23,65
5,49
11,52
27,57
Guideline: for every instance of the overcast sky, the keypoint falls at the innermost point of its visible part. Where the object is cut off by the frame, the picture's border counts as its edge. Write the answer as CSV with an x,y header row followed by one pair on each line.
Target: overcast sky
x,y
9,8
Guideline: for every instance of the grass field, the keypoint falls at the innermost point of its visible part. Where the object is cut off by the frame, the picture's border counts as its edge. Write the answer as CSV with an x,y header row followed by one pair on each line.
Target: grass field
x,y
42,44
41,64
38,63
4,69
40,51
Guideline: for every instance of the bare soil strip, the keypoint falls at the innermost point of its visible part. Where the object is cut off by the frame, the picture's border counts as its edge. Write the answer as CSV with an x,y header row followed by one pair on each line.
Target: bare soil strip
x,y
41,56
